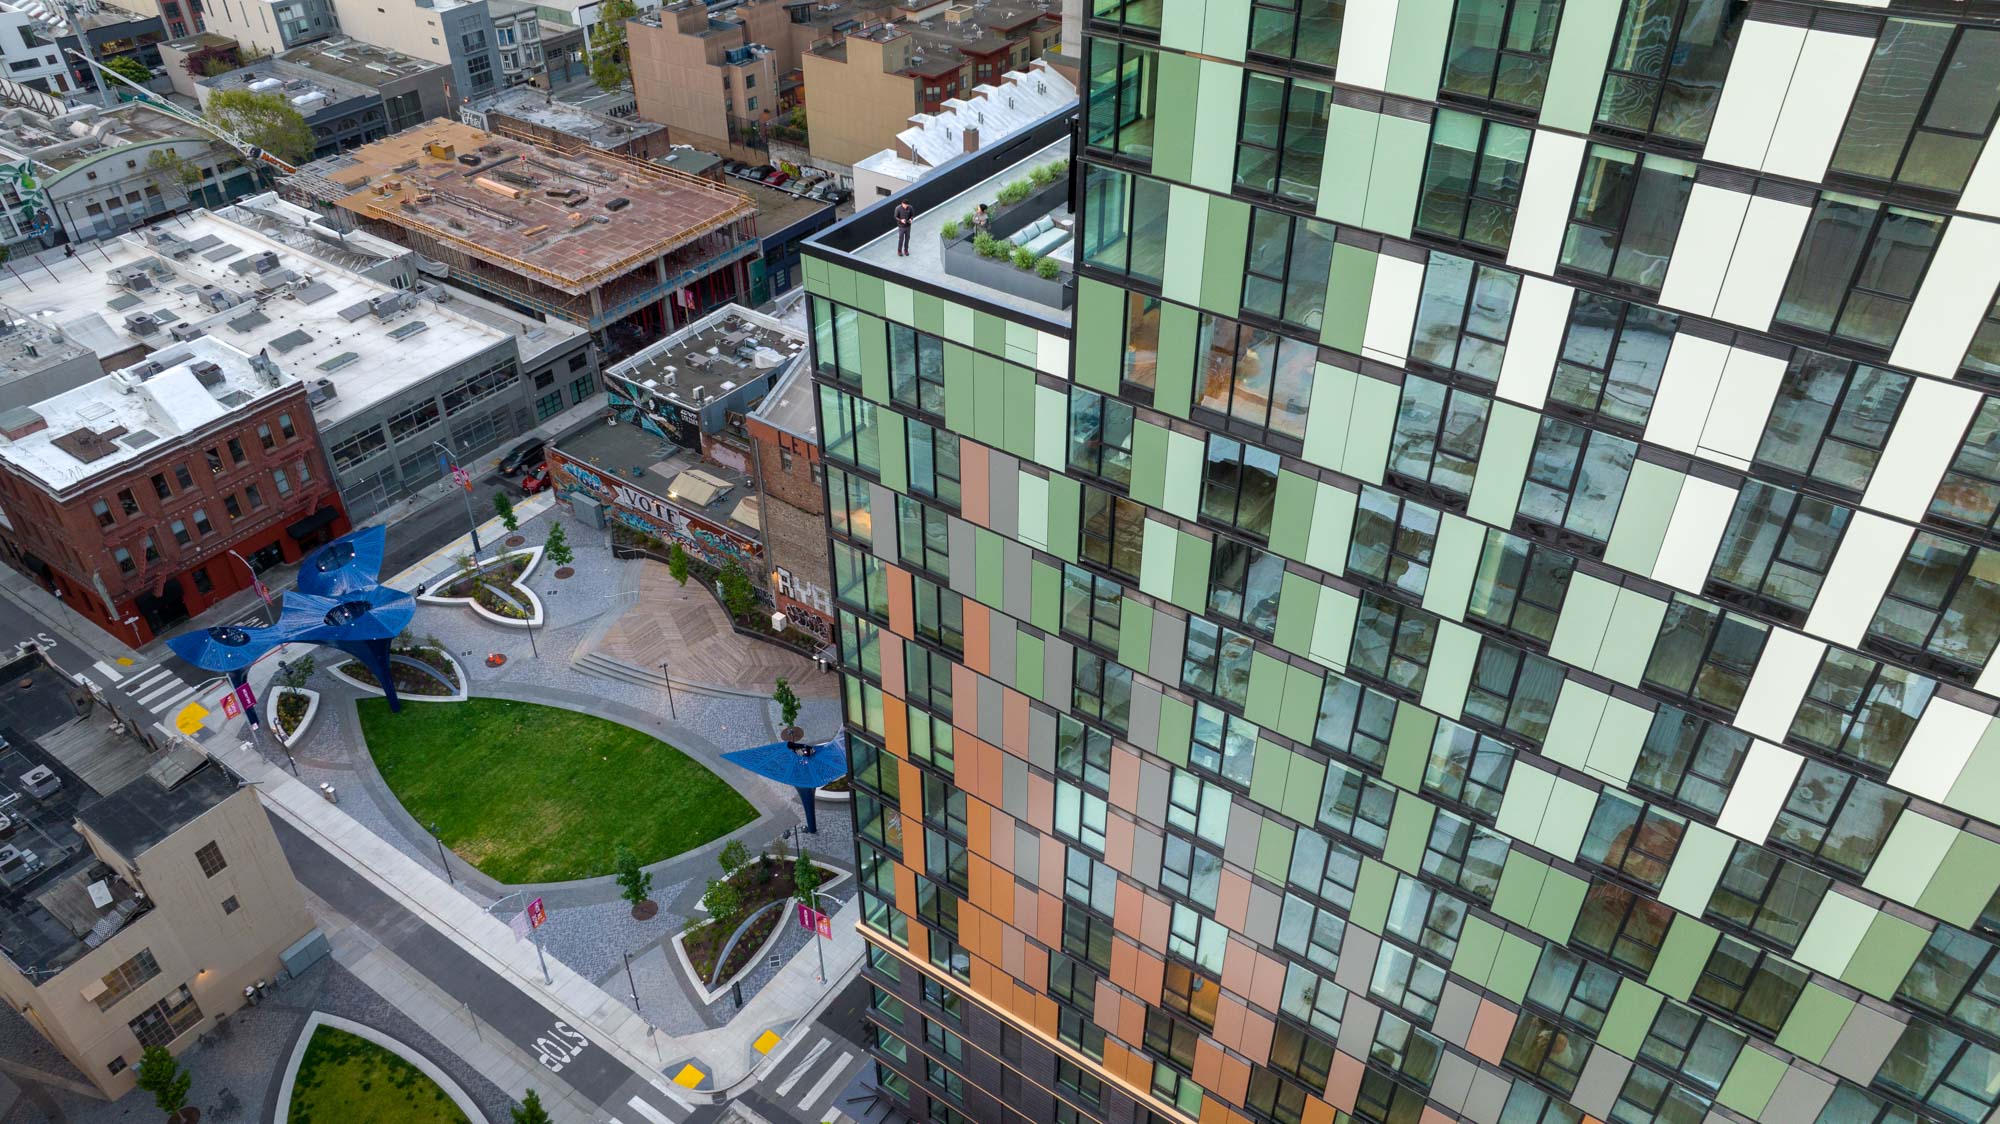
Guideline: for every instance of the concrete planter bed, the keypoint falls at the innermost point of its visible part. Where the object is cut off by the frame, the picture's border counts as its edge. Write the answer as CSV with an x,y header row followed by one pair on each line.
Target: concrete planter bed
x,y
422,675
502,597
297,732
757,940
396,1093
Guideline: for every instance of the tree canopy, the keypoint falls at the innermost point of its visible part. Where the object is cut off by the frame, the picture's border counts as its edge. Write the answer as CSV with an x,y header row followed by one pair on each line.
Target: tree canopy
x,y
265,120
127,67
609,66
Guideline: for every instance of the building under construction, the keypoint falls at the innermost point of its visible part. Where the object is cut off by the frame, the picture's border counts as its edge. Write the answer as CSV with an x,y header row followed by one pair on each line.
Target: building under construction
x,y
578,234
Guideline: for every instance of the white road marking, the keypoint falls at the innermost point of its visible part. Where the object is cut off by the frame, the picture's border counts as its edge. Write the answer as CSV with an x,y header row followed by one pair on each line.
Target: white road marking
x,y
649,1112
827,1080
107,671
812,1056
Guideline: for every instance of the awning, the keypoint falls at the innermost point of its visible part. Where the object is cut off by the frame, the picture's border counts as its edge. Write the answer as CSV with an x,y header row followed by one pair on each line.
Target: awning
x,y
313,522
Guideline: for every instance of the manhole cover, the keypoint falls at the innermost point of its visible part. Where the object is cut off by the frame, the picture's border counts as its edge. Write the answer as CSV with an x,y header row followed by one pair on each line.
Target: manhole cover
x,y
774,961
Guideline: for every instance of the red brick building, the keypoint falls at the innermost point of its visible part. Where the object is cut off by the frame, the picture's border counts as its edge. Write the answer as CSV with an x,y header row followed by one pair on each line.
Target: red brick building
x,y
126,496
784,438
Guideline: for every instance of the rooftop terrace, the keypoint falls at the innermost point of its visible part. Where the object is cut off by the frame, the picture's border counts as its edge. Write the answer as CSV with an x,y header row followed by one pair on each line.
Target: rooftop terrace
x,y
309,90
351,60
572,220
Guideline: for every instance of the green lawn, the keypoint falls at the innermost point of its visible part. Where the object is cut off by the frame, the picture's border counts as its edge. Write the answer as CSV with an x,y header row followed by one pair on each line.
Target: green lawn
x,y
344,1077
531,793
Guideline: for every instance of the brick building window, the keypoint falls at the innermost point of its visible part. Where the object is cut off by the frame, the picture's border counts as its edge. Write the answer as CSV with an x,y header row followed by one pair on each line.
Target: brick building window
x,y
211,860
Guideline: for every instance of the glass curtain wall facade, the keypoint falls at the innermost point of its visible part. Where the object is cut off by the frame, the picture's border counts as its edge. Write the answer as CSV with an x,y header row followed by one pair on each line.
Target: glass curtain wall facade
x,y
1488,614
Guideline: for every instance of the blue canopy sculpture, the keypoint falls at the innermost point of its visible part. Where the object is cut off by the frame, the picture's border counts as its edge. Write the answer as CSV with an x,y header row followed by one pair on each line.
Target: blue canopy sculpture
x,y
340,603
804,767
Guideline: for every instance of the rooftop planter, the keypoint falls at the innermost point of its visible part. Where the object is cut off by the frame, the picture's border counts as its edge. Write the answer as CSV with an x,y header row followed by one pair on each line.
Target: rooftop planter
x,y
1030,276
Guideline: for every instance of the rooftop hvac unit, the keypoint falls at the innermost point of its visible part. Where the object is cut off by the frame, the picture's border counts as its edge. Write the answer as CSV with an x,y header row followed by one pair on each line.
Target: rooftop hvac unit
x,y
185,332
389,304
41,782
264,262
320,391
141,323
216,298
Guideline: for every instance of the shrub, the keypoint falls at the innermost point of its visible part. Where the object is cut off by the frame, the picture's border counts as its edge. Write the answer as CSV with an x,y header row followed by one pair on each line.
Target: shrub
x,y
787,700
677,563
634,884
1047,268
1023,258
988,246
504,507
1060,168
722,900
734,855
949,230
1044,175
163,1077
557,546
1015,192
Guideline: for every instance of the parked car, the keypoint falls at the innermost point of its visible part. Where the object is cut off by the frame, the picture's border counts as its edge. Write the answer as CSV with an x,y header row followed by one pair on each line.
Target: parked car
x,y
777,179
838,195
757,171
535,481
526,455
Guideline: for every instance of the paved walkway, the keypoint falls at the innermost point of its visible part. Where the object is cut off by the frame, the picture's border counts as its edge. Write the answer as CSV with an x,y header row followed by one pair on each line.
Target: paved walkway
x,y
665,620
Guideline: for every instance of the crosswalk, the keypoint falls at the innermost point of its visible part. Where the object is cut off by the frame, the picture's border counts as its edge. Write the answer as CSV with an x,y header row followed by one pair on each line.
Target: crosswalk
x,y
649,1112
823,1069
156,687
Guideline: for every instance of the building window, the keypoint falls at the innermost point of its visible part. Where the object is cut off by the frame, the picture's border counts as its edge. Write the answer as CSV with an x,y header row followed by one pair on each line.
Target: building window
x,y
1627,214
1255,377
916,369
1830,420
116,1066
1969,494
160,487
285,426
1100,436
1689,760
1776,550
413,420
350,452
1668,61
211,860
1239,486
236,453
1091,607
1858,269
1282,136
180,531
922,538
1472,180
1124,87
1949,1074
548,405
1518,586
1466,855
1860,709
230,505
1835,817
1286,268
1622,924
1243,585
1759,987
1576,479
202,583
1464,316
1500,50
1439,431
126,503
933,463
284,482
1631,838
1112,531
1613,355
1102,690
1920,117
1691,1045
1942,605
265,438
121,981
167,1020
580,389
1705,654
1125,222
124,559
103,512
1217,661
1768,895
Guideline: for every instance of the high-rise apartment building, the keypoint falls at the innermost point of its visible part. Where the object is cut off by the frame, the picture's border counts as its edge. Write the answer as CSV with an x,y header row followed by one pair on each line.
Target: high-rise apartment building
x,y
1486,609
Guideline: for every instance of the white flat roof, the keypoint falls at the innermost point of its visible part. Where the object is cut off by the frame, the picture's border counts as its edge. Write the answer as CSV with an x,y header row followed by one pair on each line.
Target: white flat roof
x,y
234,283
134,413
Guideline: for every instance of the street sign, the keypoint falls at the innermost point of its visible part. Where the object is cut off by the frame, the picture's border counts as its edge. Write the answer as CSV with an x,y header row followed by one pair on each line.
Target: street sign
x,y
825,927
444,463
263,591
231,705
463,477
537,914
246,696
519,923
188,721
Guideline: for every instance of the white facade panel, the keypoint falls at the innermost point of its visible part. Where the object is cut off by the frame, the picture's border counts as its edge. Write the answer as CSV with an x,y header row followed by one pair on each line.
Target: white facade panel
x,y
1702,250
1957,291
1392,309
1541,313
1695,530
1366,32
1687,388
1760,791
1752,94
1861,569
1940,746
1982,192
1547,191
1763,258
1815,111
1779,684
1921,447
1742,402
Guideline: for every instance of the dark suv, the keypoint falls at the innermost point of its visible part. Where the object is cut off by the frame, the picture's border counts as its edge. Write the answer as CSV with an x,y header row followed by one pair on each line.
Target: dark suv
x,y
524,456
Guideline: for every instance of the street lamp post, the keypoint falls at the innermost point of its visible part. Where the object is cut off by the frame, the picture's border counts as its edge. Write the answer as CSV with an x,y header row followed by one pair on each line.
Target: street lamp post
x,y
466,495
257,583
442,860
667,674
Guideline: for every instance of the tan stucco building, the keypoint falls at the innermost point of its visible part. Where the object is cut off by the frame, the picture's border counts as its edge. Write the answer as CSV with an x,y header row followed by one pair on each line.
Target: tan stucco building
x,y
699,74
143,919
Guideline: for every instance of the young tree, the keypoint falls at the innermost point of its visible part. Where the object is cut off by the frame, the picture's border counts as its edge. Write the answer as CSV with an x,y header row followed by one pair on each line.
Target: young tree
x,y
294,673
265,120
130,69
738,595
722,900
635,885
734,855
609,67
806,878
505,508
787,700
677,563
531,1110
162,1076
557,546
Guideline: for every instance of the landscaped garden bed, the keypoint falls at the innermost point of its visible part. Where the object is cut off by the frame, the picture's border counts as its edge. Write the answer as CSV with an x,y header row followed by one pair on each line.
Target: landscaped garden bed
x,y
531,793
421,671
295,709
344,1077
493,588
753,886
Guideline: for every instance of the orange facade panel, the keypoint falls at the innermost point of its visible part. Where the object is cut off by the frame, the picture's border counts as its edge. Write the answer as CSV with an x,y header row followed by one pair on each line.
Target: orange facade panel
x,y
978,623
973,485
902,602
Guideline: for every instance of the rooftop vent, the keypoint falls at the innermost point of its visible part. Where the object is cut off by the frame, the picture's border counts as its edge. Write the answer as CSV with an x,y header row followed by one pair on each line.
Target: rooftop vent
x,y
389,304
20,422
88,445
209,373
321,390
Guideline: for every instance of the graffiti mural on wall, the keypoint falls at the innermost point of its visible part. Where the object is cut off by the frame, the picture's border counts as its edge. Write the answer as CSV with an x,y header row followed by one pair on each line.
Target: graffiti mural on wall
x,y
648,514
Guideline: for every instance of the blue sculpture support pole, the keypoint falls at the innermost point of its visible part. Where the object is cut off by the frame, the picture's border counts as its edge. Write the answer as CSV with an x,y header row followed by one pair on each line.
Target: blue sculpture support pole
x,y
374,655
812,821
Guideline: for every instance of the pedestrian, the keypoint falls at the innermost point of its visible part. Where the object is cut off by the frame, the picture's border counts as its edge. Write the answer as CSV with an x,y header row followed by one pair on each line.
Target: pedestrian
x,y
979,220
903,215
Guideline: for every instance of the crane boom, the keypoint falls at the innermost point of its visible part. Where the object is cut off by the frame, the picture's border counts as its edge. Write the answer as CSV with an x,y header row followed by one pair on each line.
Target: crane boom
x,y
196,120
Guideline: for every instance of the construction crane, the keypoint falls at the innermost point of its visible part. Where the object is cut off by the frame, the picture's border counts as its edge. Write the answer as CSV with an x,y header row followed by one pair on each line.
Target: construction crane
x,y
64,17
